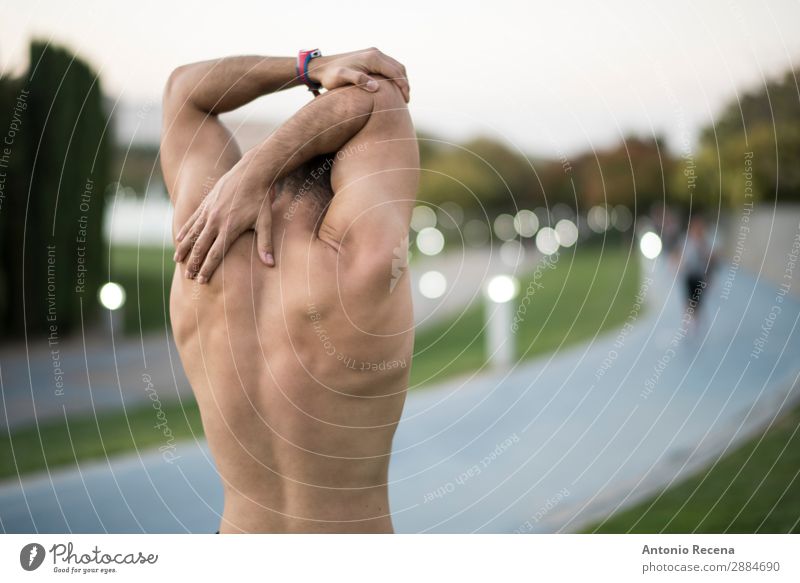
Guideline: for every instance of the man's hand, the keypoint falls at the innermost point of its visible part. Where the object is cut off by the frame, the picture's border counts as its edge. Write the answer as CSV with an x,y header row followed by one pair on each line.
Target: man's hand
x,y
240,201
354,69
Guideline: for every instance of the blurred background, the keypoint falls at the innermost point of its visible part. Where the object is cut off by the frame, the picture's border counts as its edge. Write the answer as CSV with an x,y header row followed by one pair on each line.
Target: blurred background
x,y
565,377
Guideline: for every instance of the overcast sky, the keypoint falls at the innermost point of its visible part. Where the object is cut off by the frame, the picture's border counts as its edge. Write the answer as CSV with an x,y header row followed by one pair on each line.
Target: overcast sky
x,y
550,78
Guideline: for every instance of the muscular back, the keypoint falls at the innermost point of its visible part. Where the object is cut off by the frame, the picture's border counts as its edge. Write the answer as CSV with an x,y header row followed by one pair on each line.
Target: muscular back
x,y
300,370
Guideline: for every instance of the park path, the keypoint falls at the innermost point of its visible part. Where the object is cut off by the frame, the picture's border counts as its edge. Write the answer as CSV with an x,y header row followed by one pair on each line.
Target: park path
x,y
547,446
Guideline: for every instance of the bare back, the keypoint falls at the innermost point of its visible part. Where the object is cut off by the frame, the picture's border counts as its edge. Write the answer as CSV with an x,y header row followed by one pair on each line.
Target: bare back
x,y
300,371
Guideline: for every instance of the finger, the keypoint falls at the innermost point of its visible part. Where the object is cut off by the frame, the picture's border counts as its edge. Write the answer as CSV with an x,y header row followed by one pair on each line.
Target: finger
x,y
213,259
264,235
189,222
397,64
400,77
392,70
358,78
190,238
200,250
405,89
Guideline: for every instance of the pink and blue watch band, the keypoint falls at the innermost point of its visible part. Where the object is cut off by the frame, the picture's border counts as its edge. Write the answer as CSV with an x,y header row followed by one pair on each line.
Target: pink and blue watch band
x,y
303,59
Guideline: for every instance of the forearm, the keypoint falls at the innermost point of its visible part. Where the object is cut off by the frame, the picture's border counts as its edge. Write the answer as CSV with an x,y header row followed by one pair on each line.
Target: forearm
x,y
225,84
322,126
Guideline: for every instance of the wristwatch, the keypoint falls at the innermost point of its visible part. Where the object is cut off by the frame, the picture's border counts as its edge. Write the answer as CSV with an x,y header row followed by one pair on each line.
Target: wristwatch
x,y
303,59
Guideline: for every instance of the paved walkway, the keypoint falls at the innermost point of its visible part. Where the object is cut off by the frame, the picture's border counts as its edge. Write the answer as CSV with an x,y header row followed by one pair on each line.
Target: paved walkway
x,y
545,447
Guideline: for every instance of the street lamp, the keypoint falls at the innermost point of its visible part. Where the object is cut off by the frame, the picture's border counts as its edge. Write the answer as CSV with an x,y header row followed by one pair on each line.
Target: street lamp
x,y
112,298
650,245
499,341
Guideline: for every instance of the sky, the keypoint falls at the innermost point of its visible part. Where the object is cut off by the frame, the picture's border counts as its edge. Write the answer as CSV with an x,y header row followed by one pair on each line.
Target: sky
x,y
550,79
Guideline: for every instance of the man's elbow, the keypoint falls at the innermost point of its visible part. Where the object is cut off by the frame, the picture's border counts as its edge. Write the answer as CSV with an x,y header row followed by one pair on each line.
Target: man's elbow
x,y
177,90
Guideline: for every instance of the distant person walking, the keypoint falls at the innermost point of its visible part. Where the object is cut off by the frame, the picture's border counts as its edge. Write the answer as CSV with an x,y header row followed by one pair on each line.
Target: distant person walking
x,y
695,262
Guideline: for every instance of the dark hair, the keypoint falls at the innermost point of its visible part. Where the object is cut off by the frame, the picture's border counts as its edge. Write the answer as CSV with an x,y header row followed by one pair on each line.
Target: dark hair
x,y
310,179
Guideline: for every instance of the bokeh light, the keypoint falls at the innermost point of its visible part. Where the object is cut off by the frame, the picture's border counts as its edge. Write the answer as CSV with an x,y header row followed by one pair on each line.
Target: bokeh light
x,y
422,217
547,241
430,241
526,223
650,245
598,219
112,296
623,219
504,227
502,288
432,284
567,232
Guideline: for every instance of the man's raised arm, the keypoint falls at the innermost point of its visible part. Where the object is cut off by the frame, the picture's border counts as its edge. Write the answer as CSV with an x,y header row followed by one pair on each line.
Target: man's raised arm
x,y
239,202
225,84
195,93
195,146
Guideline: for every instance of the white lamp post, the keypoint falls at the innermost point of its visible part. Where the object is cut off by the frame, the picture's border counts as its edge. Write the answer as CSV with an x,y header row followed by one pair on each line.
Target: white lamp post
x,y
112,298
650,245
499,340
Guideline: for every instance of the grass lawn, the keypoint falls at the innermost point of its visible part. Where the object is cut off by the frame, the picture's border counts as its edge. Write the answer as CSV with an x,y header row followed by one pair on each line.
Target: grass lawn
x,y
56,444
589,291
753,489
146,275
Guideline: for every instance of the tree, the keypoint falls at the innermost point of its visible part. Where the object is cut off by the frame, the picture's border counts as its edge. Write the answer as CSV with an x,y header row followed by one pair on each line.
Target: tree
x,y
751,152
52,219
480,172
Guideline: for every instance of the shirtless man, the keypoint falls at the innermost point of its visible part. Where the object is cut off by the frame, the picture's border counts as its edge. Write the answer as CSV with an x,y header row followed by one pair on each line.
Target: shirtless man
x,y
290,313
